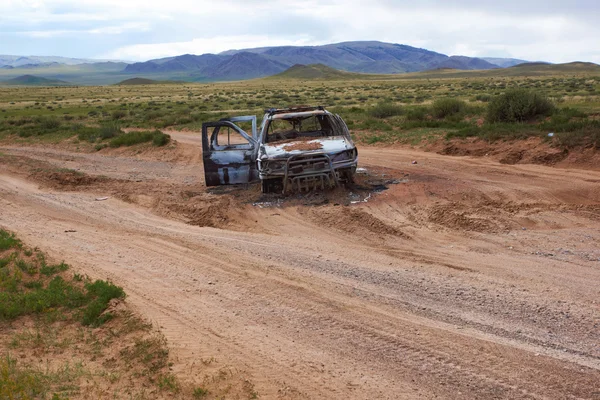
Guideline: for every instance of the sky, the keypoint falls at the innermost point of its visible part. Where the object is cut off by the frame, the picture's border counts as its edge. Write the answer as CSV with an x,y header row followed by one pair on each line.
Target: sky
x,y
139,30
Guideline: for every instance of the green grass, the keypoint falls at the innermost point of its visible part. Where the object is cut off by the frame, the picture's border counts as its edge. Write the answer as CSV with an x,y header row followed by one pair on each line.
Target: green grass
x,y
65,311
44,290
8,241
385,107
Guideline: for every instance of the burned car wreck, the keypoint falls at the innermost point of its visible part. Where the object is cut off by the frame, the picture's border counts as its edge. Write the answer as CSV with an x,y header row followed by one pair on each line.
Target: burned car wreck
x,y
294,149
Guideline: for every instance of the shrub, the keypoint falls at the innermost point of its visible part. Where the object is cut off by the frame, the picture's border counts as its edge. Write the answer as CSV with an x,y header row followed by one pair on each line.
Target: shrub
x,y
160,139
110,130
131,138
118,114
518,105
483,98
49,123
579,138
416,114
385,110
101,293
442,108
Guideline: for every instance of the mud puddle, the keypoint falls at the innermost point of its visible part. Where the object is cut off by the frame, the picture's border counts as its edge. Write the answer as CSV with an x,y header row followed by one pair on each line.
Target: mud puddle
x,y
367,184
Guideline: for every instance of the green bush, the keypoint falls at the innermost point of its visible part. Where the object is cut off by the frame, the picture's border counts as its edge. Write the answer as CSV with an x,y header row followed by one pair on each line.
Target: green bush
x,y
49,123
160,139
442,108
416,114
118,114
88,133
100,293
484,98
579,138
131,138
110,130
385,110
518,105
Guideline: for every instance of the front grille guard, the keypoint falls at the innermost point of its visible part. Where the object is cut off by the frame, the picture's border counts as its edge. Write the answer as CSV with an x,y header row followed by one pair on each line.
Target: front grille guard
x,y
316,176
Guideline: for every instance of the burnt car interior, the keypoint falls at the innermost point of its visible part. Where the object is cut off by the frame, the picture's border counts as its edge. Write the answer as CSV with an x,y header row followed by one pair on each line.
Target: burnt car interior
x,y
299,127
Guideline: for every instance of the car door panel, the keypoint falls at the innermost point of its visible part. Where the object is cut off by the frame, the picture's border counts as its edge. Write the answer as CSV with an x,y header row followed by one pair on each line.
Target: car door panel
x,y
227,161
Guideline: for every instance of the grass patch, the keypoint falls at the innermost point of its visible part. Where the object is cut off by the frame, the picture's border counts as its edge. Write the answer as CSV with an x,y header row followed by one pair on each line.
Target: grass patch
x,y
8,241
59,338
43,290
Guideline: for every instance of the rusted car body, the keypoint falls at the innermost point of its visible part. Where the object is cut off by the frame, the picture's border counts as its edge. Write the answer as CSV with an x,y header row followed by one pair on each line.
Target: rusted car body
x,y
293,149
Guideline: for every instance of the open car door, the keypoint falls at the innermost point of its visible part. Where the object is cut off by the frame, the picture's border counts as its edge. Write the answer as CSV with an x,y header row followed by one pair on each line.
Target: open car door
x,y
229,152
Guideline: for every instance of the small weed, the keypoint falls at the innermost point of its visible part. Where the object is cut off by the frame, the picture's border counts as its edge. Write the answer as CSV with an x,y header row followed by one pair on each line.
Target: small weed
x,y
26,267
200,393
169,382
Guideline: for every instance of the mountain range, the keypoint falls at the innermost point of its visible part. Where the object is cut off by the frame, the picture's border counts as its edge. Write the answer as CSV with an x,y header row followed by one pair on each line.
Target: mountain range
x,y
364,57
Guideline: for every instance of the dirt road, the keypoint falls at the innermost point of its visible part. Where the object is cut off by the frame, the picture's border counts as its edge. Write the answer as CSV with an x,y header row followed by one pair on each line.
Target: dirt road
x,y
466,278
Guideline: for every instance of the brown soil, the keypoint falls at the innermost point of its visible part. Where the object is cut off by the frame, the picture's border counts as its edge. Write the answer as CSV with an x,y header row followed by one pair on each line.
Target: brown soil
x,y
466,278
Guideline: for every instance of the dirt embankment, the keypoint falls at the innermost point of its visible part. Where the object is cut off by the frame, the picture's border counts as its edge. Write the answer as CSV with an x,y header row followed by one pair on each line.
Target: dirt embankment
x,y
529,151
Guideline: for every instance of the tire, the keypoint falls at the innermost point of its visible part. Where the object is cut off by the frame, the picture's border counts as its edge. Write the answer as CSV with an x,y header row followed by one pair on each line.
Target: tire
x,y
346,175
271,185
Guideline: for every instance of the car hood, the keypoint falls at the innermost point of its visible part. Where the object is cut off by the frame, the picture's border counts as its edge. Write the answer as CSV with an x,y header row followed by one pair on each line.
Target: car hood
x,y
328,145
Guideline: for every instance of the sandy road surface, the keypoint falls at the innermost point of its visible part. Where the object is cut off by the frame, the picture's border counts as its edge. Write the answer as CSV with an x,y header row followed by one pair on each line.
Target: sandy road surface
x,y
467,279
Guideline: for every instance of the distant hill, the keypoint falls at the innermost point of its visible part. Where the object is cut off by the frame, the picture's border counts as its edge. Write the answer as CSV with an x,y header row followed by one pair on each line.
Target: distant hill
x,y
504,62
20,61
545,68
316,72
100,73
466,63
521,70
364,57
31,80
144,81
186,62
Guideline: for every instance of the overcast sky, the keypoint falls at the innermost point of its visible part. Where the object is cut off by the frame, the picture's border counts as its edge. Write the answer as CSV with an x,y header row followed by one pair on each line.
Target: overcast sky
x,y
550,30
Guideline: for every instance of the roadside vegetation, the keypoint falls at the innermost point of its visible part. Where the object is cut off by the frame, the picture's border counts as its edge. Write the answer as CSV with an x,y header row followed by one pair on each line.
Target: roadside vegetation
x,y
64,335
393,110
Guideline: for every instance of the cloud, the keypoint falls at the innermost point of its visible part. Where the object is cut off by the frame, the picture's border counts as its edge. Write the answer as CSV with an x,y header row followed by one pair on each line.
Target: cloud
x,y
215,44
103,30
549,30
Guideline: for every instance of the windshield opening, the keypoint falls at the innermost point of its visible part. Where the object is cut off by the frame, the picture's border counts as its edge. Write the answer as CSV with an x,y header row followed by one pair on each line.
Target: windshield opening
x,y
300,127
